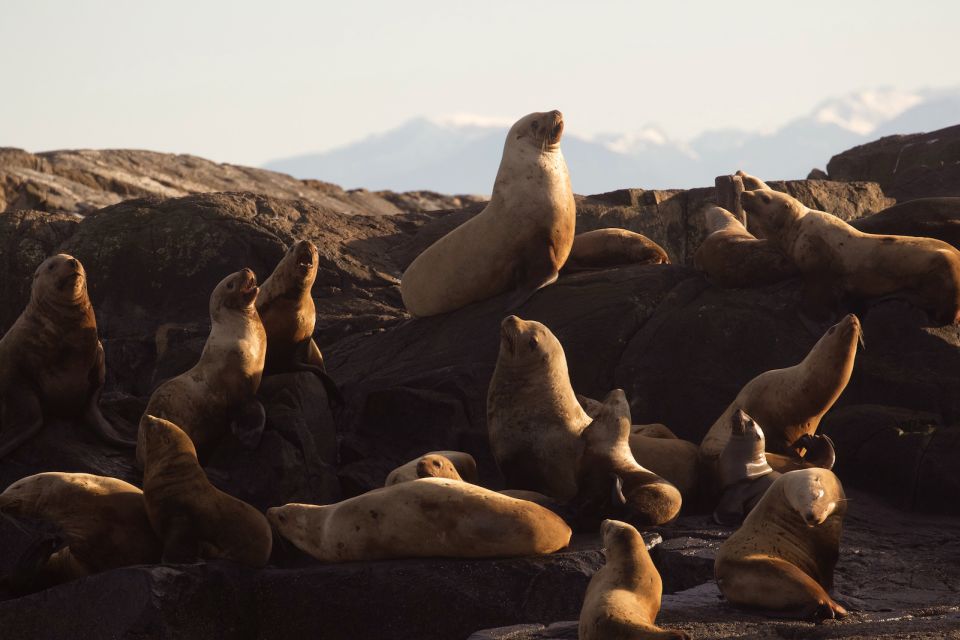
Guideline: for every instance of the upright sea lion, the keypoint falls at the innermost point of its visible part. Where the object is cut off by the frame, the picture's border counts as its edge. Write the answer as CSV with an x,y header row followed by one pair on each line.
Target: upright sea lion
x,y
606,248
731,257
455,465
790,402
743,471
102,523
289,316
51,361
836,259
518,242
219,392
647,498
427,517
533,418
783,556
623,597
194,519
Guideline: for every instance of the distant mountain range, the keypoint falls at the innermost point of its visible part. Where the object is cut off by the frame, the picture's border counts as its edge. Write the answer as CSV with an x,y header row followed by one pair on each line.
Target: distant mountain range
x,y
460,154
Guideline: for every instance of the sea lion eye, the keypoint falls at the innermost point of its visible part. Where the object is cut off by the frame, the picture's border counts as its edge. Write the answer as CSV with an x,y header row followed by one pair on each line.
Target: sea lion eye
x,y
766,198
533,343
830,332
50,267
230,286
536,125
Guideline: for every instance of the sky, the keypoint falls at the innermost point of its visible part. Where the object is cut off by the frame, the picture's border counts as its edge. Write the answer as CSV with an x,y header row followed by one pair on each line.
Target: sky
x,y
248,82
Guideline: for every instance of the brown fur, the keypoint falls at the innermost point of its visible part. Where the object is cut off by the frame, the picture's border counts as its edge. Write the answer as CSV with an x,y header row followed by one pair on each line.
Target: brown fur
x,y
455,465
606,248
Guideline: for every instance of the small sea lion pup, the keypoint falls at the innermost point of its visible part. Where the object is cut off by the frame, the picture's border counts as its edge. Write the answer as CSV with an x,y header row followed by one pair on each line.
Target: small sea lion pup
x,y
518,242
194,519
647,498
732,258
51,361
836,259
427,517
606,248
533,418
782,558
289,316
623,597
219,392
455,465
102,524
789,403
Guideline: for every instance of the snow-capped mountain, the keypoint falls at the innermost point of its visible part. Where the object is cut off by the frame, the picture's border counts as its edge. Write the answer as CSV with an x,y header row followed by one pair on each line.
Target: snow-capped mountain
x,y
460,153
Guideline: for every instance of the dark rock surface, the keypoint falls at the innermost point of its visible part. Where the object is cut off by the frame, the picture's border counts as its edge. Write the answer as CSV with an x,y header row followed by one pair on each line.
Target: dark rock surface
x,y
81,181
919,165
928,217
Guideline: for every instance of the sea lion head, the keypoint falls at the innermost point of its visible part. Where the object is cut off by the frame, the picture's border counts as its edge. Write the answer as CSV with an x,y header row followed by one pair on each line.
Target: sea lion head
x,y
526,343
744,455
815,494
237,292
620,539
292,522
434,465
842,337
541,130
161,439
60,279
771,212
300,262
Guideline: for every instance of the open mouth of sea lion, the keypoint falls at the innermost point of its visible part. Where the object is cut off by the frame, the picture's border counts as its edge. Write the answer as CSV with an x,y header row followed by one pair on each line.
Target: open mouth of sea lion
x,y
557,130
248,288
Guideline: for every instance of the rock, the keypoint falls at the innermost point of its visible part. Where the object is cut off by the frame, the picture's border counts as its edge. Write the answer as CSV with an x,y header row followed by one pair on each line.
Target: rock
x,y
920,165
817,174
926,217
27,238
81,181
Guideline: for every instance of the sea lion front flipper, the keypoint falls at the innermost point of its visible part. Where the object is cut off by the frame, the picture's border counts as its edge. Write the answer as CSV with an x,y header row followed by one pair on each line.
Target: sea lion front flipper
x,y
20,417
248,423
314,356
93,417
820,450
180,542
30,574
529,286
309,358
729,511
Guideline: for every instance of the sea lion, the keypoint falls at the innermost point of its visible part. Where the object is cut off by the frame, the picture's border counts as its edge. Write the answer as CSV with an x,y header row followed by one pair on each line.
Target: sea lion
x,y
752,183
647,498
455,465
835,259
518,242
623,598
783,556
743,471
102,523
219,391
607,248
790,402
289,316
533,418
732,258
427,517
657,448
194,519
51,360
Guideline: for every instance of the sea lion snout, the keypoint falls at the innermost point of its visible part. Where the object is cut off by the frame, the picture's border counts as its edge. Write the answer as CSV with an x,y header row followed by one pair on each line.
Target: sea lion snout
x,y
306,253
556,130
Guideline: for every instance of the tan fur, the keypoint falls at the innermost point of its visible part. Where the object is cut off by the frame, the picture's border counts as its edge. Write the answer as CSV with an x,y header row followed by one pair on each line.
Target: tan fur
x,y
650,499
831,253
427,517
732,257
287,309
520,240
103,522
623,598
606,248
533,418
193,518
782,558
455,465
202,400
676,461
790,402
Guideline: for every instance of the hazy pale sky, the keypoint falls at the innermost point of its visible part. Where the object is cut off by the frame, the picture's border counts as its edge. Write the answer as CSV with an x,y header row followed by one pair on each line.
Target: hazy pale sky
x,y
248,82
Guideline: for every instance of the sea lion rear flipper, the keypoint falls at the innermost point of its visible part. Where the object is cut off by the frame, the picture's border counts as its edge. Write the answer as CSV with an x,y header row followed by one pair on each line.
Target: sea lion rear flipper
x,y
92,416
249,422
180,542
20,417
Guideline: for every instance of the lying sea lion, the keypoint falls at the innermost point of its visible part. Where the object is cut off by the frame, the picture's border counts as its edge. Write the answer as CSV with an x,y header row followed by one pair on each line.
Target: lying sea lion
x,y
518,242
194,519
427,517
102,523
782,559
219,392
455,465
835,259
51,360
623,597
607,248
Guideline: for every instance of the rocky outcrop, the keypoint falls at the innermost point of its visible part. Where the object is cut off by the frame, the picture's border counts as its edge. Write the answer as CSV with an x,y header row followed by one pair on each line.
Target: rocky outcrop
x,y
81,181
919,165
